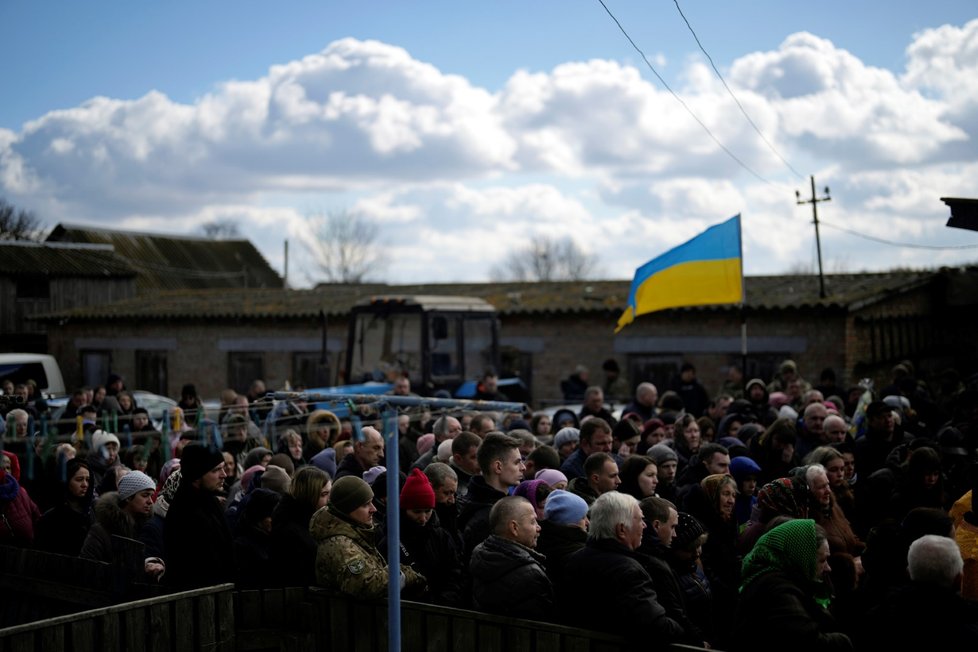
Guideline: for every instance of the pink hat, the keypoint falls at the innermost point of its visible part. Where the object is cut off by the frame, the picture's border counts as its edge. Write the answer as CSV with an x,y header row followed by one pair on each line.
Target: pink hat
x,y
425,443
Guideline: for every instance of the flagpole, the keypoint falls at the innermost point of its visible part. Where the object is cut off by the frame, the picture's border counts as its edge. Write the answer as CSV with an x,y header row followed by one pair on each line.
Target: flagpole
x,y
743,305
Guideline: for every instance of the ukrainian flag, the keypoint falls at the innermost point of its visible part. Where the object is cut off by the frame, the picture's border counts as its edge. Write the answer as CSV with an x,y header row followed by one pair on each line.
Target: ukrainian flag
x,y
703,271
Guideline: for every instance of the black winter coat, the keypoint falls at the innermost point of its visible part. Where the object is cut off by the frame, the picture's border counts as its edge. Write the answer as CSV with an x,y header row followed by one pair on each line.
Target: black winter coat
x,y
653,556
608,589
197,540
473,514
431,551
775,613
557,543
508,579
292,548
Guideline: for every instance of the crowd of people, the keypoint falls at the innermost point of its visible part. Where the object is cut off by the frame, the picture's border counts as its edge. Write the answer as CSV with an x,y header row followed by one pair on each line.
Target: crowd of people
x,y
774,513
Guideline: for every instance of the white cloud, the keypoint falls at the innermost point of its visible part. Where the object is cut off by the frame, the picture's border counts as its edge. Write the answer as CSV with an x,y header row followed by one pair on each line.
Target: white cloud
x,y
457,176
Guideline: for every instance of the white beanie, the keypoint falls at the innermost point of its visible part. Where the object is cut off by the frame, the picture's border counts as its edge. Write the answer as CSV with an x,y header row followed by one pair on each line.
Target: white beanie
x,y
134,482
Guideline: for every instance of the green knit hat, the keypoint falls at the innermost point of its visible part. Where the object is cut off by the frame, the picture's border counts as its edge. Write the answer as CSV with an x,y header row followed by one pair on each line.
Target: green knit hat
x,y
350,492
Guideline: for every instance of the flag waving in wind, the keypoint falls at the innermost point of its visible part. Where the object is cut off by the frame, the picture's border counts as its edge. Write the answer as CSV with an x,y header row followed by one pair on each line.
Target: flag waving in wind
x,y
703,271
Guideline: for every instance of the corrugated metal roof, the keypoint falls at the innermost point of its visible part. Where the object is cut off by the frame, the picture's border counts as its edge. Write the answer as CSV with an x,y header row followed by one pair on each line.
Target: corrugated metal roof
x,y
170,262
763,293
60,260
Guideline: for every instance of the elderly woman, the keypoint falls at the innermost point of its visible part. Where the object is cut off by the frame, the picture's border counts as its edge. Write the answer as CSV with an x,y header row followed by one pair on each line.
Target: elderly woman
x,y
712,503
782,597
826,512
835,468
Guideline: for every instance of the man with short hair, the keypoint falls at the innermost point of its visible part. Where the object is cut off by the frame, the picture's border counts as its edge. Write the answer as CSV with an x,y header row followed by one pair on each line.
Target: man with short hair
x,y
594,405
646,396
811,434
445,427
882,436
835,428
508,577
502,468
465,460
661,519
197,539
610,559
931,607
482,424
711,459
595,437
600,477
367,453
444,481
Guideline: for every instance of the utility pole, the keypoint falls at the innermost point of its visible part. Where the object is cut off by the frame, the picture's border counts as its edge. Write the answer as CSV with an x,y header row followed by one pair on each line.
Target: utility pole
x,y
818,241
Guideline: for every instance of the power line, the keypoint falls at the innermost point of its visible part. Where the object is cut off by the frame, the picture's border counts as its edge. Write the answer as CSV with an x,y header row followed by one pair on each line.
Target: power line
x,y
680,100
739,105
895,244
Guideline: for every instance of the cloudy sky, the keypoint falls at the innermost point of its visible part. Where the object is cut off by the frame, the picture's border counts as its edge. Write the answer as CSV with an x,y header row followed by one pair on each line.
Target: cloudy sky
x,y
465,129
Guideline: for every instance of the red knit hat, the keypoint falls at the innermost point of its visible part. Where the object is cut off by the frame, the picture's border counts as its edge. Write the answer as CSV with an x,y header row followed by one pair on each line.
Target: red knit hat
x,y
417,492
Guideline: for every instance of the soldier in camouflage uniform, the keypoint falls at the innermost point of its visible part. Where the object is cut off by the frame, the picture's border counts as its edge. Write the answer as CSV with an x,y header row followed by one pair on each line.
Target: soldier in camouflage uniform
x,y
347,560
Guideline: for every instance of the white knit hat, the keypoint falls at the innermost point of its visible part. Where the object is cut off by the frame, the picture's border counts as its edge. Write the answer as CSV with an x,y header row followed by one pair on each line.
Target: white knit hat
x,y
134,482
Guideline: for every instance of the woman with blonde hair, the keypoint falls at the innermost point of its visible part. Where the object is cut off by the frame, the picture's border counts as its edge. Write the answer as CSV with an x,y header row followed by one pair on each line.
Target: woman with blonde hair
x,y
293,550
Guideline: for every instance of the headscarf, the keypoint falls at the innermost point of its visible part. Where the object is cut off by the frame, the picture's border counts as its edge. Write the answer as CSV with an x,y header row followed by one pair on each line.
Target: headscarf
x,y
780,498
792,549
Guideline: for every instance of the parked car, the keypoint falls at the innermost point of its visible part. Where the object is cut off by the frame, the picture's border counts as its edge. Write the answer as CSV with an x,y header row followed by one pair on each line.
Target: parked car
x,y
42,369
156,404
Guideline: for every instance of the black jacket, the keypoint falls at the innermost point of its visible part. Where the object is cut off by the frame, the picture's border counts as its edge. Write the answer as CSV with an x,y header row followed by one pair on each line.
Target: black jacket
x,y
557,543
508,579
292,547
653,556
197,540
774,610
473,513
607,589
434,553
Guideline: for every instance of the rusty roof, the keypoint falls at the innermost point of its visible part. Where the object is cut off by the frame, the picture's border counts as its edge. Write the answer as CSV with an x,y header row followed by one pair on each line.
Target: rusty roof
x,y
20,258
170,262
845,292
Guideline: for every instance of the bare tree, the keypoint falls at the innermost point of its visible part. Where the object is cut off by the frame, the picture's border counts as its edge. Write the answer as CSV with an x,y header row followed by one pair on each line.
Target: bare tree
x,y
18,223
344,246
220,230
546,259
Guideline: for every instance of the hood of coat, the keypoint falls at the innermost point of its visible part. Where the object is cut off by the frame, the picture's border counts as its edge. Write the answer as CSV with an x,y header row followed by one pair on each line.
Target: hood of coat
x,y
109,514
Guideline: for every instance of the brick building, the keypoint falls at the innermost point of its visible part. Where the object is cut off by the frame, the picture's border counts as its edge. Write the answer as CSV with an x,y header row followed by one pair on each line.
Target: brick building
x,y
225,338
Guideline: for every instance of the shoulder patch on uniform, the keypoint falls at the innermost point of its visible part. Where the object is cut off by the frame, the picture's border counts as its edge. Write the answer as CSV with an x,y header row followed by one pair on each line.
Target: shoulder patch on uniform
x,y
356,566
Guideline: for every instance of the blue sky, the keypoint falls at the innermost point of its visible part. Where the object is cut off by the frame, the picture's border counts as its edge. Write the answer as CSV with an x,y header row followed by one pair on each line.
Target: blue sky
x,y
493,122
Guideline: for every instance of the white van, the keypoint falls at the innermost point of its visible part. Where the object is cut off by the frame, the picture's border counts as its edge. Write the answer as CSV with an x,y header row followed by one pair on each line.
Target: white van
x,y
42,369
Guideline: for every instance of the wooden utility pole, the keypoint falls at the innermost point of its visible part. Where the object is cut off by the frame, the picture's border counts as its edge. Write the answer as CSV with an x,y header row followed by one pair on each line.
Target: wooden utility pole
x,y
818,241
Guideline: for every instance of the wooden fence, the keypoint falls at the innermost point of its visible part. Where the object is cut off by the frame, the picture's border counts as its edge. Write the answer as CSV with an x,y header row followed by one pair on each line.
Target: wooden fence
x,y
78,605
200,620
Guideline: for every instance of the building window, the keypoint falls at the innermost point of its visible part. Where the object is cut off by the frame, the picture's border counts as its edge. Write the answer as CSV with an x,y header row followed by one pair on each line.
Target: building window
x,y
151,371
33,287
307,371
96,367
243,368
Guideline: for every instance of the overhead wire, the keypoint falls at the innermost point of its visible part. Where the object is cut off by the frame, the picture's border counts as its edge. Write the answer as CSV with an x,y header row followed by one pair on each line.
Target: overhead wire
x,y
731,93
680,100
908,245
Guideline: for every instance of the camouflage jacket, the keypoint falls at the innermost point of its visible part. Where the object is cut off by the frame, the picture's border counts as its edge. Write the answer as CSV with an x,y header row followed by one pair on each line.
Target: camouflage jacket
x,y
348,561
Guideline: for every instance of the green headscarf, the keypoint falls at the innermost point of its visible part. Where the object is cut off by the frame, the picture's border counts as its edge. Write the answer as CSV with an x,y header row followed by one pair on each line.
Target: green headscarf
x,y
792,549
